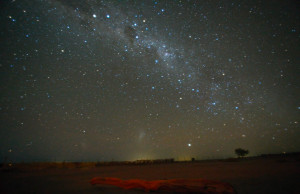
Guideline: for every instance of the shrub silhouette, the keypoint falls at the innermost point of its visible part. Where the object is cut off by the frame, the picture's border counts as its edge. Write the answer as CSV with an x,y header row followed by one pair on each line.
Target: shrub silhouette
x,y
241,152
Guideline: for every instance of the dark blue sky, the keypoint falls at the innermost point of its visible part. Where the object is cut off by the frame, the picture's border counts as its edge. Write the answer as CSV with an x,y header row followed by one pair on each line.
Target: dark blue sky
x,y
127,80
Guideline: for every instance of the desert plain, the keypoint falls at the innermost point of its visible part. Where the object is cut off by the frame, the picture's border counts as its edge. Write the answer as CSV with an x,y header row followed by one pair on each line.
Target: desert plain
x,y
264,174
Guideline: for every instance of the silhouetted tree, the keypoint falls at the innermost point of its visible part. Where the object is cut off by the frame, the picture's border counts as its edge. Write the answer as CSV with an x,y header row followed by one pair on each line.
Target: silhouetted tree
x,y
241,152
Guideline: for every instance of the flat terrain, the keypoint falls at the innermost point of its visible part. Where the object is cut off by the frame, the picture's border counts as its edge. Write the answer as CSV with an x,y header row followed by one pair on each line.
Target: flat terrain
x,y
253,175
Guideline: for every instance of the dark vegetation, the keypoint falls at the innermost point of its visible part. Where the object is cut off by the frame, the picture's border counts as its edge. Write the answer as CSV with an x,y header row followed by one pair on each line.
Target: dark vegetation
x,y
11,167
241,152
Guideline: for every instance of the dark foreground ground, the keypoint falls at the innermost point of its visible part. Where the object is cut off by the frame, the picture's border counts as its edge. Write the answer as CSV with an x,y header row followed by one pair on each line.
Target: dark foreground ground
x,y
280,174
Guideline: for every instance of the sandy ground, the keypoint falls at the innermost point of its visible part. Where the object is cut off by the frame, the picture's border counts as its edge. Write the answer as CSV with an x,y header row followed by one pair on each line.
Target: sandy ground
x,y
257,175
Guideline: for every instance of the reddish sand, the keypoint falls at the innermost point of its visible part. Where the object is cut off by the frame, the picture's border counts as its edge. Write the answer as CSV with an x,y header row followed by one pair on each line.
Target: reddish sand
x,y
259,175
170,185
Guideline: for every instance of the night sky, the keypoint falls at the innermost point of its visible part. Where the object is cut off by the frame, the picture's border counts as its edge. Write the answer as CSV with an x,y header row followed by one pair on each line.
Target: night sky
x,y
126,80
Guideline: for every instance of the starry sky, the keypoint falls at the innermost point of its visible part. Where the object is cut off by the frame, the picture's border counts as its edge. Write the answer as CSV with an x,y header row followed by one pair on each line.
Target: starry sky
x,y
125,80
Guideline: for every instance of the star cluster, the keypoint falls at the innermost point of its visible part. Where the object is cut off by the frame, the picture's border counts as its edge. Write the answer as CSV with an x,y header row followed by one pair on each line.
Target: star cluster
x,y
127,80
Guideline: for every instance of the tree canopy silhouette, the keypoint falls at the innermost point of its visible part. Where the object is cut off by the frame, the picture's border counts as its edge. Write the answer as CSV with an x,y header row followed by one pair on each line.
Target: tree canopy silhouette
x,y
241,152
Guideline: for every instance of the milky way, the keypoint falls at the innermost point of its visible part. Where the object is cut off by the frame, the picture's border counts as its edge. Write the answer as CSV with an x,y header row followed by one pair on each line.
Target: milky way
x,y
125,80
